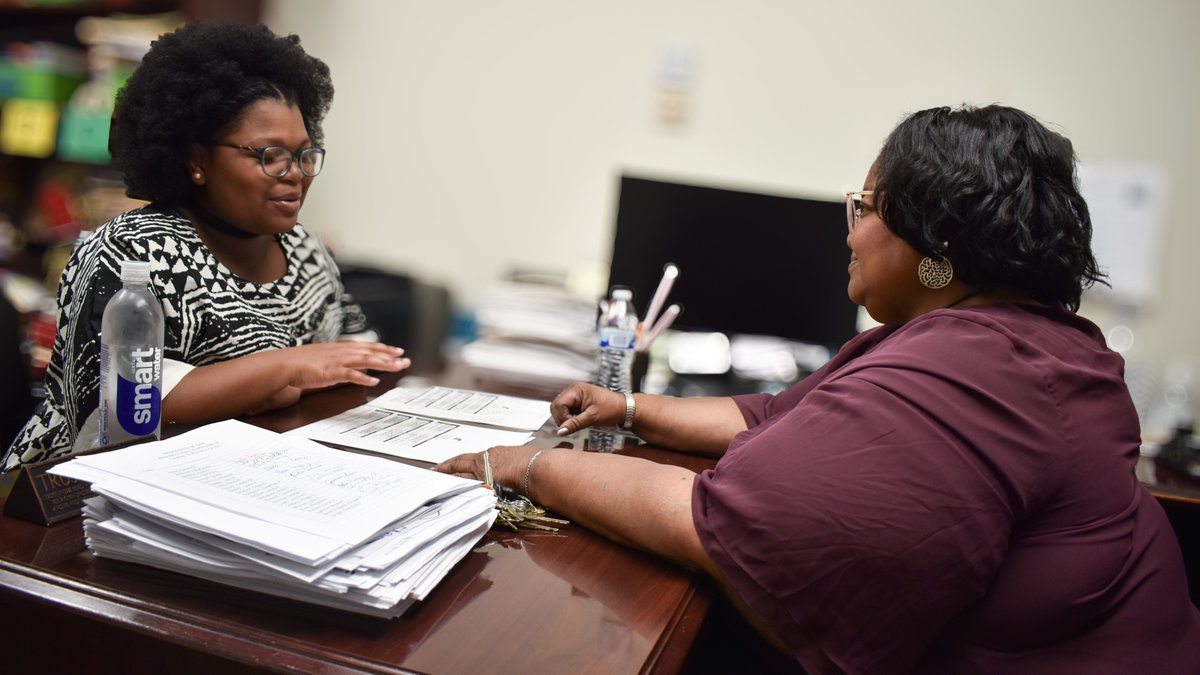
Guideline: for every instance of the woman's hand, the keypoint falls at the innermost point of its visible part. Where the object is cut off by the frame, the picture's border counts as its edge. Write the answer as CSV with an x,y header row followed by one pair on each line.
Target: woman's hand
x,y
508,465
326,364
696,424
631,500
583,405
274,379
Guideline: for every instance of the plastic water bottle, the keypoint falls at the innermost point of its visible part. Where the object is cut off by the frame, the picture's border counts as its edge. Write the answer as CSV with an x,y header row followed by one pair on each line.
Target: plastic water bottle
x,y
131,344
617,332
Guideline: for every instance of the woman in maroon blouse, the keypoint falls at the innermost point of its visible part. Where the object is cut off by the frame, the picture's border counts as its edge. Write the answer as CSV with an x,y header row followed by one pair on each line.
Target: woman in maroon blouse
x,y
954,492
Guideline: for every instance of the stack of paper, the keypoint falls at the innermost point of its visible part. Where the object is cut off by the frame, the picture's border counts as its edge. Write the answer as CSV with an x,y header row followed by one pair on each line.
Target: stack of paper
x,y
535,336
432,424
247,507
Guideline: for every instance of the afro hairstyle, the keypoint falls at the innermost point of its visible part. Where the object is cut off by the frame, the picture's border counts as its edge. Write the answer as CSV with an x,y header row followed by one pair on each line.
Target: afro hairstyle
x,y
195,82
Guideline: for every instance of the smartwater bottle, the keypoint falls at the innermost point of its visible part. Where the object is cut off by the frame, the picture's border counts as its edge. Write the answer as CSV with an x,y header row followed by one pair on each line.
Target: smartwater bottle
x,y
617,333
131,344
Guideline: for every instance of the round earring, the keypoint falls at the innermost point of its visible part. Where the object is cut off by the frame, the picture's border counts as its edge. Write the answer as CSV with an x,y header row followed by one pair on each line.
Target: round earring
x,y
197,177
935,273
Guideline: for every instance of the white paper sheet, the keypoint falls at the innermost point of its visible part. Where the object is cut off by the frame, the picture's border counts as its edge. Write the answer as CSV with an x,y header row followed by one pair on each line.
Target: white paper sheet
x,y
472,407
232,468
403,435
250,508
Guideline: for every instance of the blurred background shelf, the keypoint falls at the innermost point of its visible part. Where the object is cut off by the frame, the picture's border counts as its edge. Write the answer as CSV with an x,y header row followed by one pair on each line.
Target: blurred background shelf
x,y
61,64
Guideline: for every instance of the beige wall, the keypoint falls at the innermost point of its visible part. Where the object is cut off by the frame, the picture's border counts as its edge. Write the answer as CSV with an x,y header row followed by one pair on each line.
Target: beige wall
x,y
468,137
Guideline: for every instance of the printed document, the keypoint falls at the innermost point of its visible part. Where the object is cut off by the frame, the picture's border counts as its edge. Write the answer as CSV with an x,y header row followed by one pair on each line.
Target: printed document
x,y
251,508
471,407
370,427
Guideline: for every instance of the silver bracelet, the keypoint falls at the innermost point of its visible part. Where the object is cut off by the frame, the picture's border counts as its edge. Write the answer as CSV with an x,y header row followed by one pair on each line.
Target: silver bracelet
x,y
627,424
529,468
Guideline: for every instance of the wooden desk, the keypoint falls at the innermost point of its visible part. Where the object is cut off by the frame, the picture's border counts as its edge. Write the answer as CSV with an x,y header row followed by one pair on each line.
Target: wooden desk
x,y
519,603
1169,485
525,602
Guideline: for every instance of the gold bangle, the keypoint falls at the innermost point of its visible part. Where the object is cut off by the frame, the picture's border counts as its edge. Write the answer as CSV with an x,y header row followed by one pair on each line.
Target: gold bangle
x,y
627,423
487,470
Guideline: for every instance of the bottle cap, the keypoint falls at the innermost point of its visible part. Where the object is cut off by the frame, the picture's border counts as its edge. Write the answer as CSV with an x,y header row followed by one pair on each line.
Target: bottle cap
x,y
135,272
622,294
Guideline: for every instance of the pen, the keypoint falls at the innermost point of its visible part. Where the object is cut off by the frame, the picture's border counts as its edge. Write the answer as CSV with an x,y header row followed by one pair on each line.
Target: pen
x,y
670,271
664,323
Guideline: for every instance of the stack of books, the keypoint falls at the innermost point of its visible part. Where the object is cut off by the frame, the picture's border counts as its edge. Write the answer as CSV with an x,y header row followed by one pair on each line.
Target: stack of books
x,y
247,507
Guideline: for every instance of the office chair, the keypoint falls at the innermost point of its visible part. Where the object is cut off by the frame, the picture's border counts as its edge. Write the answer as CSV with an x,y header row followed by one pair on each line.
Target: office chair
x,y
406,312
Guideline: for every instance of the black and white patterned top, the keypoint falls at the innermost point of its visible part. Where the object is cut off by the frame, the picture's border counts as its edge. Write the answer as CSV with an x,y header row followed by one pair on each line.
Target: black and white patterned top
x,y
211,315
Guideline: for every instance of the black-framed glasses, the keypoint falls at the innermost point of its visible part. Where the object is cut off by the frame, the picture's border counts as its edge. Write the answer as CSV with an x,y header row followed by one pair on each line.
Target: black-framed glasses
x,y
854,207
276,160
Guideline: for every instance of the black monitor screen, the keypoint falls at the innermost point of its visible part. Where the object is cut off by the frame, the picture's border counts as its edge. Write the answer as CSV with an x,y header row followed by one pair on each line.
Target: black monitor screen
x,y
749,263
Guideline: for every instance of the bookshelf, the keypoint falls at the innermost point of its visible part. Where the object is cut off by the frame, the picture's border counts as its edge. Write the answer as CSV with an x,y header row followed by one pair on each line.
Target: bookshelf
x,y
61,64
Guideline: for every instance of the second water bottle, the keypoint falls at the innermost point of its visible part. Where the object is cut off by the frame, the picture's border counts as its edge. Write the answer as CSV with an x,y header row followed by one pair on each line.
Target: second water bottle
x,y
617,333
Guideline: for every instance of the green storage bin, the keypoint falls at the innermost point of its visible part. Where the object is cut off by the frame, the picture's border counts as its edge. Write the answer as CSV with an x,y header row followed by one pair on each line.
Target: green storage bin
x,y
22,78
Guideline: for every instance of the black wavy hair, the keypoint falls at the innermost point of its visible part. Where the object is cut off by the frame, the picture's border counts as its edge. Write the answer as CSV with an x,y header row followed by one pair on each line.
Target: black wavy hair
x,y
195,82
994,191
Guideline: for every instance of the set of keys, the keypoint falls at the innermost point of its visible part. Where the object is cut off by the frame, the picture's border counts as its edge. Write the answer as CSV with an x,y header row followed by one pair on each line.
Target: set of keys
x,y
516,510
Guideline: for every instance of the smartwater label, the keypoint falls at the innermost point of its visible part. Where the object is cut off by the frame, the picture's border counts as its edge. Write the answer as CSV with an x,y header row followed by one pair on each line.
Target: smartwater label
x,y
139,402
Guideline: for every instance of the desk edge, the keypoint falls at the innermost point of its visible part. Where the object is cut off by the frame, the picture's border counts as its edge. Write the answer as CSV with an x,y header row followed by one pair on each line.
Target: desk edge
x,y
177,627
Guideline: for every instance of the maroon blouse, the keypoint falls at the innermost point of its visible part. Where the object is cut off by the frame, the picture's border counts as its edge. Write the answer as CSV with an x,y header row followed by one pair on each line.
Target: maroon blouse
x,y
954,495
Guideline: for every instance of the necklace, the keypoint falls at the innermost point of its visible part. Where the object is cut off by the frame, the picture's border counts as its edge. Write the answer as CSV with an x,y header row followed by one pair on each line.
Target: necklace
x,y
220,224
968,296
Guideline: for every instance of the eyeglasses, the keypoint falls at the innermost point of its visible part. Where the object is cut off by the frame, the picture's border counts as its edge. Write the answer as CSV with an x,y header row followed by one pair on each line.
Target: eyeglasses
x,y
276,160
854,207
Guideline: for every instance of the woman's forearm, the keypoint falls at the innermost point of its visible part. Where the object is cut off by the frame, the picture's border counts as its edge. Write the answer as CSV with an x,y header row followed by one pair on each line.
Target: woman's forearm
x,y
225,390
694,424
274,378
630,500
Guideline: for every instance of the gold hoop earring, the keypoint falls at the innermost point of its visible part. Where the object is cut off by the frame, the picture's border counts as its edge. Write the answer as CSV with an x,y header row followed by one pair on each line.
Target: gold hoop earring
x,y
935,273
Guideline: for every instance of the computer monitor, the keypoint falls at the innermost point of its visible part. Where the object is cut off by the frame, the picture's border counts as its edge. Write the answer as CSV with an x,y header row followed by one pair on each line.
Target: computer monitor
x,y
750,263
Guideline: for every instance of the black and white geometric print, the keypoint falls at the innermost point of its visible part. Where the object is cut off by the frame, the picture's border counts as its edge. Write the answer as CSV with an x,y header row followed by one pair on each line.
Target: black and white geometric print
x,y
210,314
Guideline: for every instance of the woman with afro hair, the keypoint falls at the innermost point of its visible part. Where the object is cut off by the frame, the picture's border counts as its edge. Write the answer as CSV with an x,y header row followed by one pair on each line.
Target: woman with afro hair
x,y
219,129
